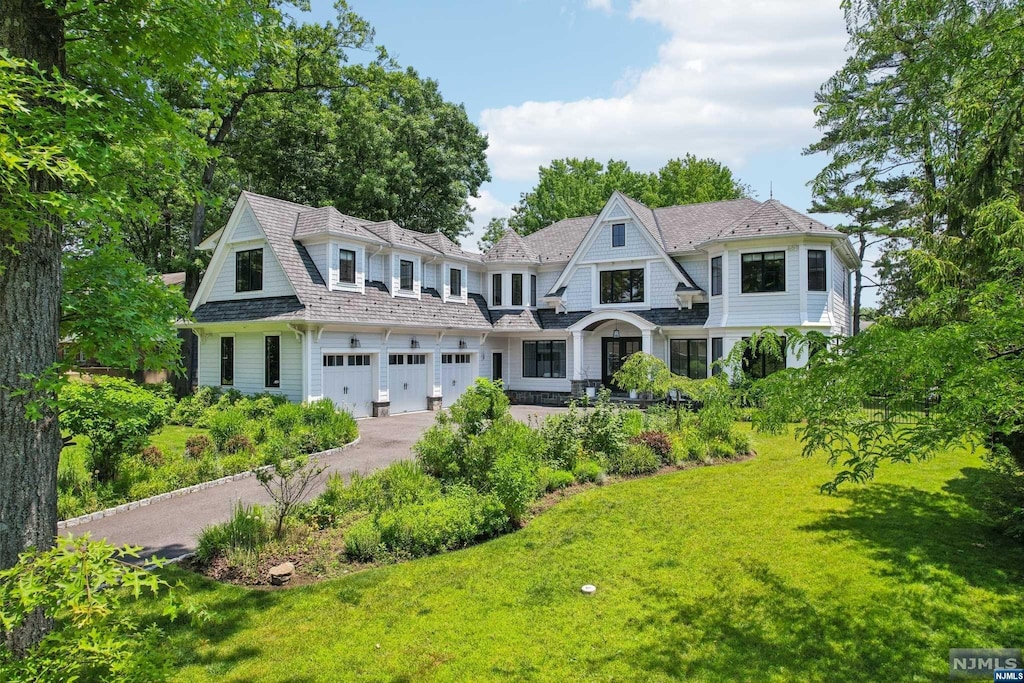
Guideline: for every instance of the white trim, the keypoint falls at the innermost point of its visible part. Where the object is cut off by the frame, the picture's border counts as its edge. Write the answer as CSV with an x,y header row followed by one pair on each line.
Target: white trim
x,y
220,359
607,315
595,301
396,274
446,268
333,278
785,271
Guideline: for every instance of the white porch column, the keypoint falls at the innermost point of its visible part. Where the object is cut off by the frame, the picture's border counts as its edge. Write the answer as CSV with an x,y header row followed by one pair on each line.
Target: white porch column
x,y
577,355
646,344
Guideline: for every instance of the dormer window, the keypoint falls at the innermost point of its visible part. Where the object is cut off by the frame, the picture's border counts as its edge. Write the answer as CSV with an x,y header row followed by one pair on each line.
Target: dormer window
x,y
517,289
455,282
405,271
249,270
347,266
619,235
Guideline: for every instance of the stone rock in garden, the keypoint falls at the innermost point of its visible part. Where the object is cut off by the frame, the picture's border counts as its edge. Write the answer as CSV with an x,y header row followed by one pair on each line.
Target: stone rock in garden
x,y
281,574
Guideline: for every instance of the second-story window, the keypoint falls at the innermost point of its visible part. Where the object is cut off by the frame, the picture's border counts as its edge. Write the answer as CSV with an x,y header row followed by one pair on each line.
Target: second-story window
x,y
764,272
405,272
249,270
347,266
716,276
455,282
517,289
816,270
496,289
622,286
533,291
619,235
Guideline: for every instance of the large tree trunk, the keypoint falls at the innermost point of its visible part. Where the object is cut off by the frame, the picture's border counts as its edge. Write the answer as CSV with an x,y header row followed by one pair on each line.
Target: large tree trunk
x,y
30,287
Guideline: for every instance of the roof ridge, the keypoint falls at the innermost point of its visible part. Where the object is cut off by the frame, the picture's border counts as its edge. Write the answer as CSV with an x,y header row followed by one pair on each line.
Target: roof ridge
x,y
276,199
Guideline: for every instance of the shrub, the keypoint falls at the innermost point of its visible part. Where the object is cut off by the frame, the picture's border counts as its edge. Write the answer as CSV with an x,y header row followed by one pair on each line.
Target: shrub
x,y
153,456
362,541
634,459
238,443
589,471
117,415
286,417
742,443
437,452
97,635
198,445
245,531
603,432
717,413
632,422
480,405
549,480
503,437
721,449
190,409
657,442
563,435
226,424
513,478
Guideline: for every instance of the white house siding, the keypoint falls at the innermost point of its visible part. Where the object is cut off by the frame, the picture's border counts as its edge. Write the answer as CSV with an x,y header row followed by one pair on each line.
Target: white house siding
x,y
545,281
318,252
275,282
430,276
476,279
249,363
662,285
579,296
637,245
842,311
817,307
248,228
514,366
761,309
696,266
378,268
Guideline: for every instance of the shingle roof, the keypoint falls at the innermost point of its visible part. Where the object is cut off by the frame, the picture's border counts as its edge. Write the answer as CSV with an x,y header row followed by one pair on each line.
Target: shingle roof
x,y
557,242
503,320
329,220
271,308
646,216
377,306
511,248
396,235
440,242
773,218
684,227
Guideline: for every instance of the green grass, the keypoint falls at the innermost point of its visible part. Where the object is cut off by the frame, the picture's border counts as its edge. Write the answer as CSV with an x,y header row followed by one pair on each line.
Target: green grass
x,y
736,572
170,439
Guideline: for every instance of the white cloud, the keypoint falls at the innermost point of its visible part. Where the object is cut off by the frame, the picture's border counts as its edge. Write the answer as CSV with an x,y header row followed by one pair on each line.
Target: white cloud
x,y
603,5
485,207
735,77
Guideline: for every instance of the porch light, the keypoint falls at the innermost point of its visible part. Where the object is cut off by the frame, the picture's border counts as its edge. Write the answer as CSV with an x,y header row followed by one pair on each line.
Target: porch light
x,y
414,343
354,342
615,333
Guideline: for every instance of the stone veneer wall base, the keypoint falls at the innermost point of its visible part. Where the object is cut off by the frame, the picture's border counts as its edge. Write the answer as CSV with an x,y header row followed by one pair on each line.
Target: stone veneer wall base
x,y
538,398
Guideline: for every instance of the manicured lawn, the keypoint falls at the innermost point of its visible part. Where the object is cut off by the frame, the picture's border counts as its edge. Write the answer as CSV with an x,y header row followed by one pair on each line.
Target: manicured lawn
x,y
736,572
169,439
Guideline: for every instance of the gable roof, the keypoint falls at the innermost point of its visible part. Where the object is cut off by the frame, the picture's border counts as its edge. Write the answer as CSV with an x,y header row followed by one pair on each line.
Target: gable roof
x,y
329,220
511,248
774,218
684,227
557,242
440,242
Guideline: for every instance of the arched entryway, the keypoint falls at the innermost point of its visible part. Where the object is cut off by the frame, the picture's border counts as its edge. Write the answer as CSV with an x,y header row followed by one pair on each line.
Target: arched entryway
x,y
603,341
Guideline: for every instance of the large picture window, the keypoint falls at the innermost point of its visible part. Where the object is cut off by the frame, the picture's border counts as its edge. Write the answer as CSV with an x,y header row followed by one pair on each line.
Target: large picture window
x,y
764,272
249,270
816,270
227,361
689,358
455,282
347,266
760,365
622,286
405,272
272,361
716,276
544,359
517,289
496,289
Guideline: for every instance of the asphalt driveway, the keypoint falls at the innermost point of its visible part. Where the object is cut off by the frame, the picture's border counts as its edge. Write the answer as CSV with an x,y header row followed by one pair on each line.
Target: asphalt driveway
x,y
169,528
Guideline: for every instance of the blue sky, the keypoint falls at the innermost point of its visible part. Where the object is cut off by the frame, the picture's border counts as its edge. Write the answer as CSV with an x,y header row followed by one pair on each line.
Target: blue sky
x,y
640,80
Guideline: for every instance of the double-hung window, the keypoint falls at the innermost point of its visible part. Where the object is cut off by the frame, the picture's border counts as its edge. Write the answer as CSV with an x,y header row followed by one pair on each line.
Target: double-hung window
x,y
816,270
405,272
759,365
249,270
272,361
455,282
763,272
517,289
496,289
544,359
716,276
689,358
619,235
622,286
347,266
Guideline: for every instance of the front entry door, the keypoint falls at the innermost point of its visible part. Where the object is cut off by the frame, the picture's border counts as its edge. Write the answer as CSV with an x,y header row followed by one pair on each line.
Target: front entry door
x,y
614,353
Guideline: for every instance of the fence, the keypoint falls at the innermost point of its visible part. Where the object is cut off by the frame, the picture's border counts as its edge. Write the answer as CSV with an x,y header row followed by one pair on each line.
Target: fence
x,y
900,412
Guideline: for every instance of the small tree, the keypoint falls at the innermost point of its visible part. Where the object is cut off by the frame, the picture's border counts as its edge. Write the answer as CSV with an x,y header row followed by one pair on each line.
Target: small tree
x,y
642,373
287,481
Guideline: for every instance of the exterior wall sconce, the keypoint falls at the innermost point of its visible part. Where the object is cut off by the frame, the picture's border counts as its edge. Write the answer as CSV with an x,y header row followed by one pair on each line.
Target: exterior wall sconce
x,y
354,342
414,343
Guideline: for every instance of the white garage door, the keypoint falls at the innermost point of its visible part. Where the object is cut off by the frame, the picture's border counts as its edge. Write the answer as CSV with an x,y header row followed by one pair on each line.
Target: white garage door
x,y
407,382
348,381
456,375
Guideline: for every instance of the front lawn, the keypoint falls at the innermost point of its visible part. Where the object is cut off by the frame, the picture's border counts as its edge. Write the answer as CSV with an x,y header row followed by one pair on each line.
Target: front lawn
x,y
735,572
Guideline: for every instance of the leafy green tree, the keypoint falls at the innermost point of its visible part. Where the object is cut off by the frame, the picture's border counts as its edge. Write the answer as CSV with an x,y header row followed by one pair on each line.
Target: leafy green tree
x,y
493,232
390,148
569,188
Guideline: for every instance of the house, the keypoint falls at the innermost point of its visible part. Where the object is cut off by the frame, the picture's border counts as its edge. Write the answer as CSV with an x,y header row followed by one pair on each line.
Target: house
x,y
309,302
